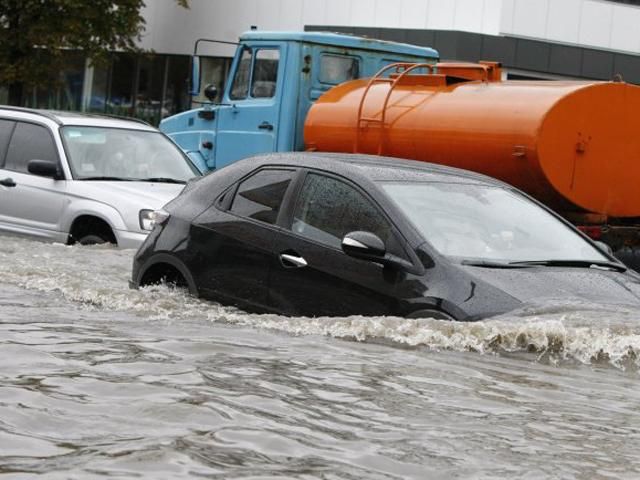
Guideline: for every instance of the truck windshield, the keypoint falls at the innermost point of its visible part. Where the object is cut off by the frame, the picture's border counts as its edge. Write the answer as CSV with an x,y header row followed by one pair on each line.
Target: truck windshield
x,y
123,154
482,222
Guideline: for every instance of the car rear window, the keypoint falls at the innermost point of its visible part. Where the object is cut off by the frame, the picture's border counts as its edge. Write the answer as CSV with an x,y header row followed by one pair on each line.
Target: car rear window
x,y
260,196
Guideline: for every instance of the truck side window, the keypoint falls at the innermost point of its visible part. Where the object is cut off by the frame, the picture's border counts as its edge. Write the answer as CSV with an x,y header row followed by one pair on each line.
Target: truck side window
x,y
240,87
259,69
265,73
335,69
259,196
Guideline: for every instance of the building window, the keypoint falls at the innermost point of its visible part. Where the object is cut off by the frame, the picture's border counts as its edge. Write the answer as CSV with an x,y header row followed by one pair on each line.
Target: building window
x,y
63,94
146,87
150,104
123,76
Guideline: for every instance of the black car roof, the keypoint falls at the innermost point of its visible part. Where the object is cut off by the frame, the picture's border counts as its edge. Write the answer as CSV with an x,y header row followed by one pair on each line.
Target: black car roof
x,y
376,168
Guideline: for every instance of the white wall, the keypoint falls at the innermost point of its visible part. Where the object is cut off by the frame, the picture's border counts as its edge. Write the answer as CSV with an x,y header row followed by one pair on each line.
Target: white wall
x,y
594,23
171,29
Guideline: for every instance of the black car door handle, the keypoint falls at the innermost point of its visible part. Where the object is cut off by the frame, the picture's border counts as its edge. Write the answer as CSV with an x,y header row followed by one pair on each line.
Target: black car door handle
x,y
8,182
265,126
292,261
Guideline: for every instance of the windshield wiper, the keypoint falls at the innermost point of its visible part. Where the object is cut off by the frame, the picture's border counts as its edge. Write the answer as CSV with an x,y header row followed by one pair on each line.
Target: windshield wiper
x,y
161,180
571,263
113,179
546,263
492,264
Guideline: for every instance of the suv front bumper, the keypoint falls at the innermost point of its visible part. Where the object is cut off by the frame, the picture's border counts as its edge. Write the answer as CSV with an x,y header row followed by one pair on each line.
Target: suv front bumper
x,y
127,239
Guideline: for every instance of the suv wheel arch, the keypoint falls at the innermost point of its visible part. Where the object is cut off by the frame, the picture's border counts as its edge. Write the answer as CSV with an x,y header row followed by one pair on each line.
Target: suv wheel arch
x,y
89,229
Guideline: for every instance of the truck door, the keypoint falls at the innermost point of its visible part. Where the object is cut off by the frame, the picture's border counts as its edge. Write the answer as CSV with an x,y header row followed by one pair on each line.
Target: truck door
x,y
249,117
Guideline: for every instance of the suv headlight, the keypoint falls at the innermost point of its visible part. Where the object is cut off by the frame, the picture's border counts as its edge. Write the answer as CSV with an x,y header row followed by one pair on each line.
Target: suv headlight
x,y
151,218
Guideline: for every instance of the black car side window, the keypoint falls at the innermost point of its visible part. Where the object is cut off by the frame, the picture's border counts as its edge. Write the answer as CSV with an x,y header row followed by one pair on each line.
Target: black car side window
x,y
29,142
260,196
327,209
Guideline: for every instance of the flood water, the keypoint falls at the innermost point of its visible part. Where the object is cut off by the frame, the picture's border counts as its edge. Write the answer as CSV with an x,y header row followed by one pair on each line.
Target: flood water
x,y
99,381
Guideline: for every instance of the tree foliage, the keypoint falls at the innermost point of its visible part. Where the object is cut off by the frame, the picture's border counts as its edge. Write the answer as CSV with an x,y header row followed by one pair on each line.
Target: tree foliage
x,y
35,34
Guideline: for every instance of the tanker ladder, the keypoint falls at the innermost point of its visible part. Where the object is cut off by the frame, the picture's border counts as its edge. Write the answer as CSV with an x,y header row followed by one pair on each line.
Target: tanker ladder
x,y
465,72
401,70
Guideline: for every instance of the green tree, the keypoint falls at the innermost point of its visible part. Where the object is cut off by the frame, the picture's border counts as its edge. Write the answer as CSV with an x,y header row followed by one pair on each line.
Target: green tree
x,y
35,34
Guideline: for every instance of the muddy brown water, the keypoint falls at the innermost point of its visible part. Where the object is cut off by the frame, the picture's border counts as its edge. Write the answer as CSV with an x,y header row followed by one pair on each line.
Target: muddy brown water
x,y
99,381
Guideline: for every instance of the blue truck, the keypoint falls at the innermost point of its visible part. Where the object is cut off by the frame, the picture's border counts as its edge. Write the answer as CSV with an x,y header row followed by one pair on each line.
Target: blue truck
x,y
274,79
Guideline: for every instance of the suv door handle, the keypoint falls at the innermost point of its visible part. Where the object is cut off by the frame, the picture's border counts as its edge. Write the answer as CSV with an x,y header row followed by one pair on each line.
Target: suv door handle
x,y
8,182
265,126
292,261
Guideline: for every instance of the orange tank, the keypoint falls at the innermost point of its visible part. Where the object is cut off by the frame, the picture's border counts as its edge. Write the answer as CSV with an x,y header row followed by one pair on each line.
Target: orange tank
x,y
573,145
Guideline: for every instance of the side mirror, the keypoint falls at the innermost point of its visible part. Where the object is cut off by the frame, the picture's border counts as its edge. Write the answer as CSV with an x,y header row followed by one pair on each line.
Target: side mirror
x,y
368,246
45,168
195,76
211,92
364,245
604,247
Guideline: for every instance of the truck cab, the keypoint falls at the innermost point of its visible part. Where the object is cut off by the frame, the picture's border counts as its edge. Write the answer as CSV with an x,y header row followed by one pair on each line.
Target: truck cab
x,y
274,79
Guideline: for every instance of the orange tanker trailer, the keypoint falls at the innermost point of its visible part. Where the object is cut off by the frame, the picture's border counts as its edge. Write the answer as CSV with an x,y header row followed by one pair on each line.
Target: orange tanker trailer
x,y
573,145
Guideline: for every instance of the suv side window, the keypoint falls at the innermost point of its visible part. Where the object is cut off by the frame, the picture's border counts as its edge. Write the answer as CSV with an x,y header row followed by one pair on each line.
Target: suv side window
x,y
260,196
29,142
6,129
327,209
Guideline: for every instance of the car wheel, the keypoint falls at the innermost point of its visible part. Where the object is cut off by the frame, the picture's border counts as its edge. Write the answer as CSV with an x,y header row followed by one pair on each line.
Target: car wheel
x,y
90,230
435,314
166,274
92,239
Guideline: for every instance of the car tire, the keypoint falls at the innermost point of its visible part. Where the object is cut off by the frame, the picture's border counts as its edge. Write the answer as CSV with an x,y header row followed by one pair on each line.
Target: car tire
x,y
428,313
92,239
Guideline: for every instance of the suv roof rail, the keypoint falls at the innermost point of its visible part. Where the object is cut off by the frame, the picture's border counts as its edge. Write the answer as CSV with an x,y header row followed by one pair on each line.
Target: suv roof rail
x,y
52,115
120,117
43,113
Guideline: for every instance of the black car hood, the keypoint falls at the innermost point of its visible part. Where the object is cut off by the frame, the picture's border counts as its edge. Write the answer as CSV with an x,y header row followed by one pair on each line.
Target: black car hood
x,y
534,284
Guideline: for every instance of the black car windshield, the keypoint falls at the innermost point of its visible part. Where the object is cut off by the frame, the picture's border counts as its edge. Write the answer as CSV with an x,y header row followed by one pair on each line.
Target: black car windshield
x,y
484,222
122,154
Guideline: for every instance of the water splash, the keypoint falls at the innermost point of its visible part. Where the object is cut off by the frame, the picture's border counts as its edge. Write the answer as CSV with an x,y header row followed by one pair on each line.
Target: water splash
x,y
96,278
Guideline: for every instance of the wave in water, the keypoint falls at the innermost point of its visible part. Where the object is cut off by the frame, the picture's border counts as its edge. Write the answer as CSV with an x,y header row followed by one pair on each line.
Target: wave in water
x,y
96,278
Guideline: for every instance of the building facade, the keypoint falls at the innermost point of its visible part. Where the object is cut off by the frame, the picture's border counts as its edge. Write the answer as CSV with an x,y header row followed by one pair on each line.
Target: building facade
x,y
586,39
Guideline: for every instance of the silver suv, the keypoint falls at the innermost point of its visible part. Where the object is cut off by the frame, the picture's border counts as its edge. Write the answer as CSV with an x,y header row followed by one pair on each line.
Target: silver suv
x,y
70,177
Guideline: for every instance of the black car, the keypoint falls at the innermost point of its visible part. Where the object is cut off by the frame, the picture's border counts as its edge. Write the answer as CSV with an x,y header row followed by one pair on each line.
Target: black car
x,y
335,234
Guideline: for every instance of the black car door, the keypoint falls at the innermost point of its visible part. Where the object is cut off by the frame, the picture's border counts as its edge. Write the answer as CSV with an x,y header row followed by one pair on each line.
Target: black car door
x,y
311,274
234,239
